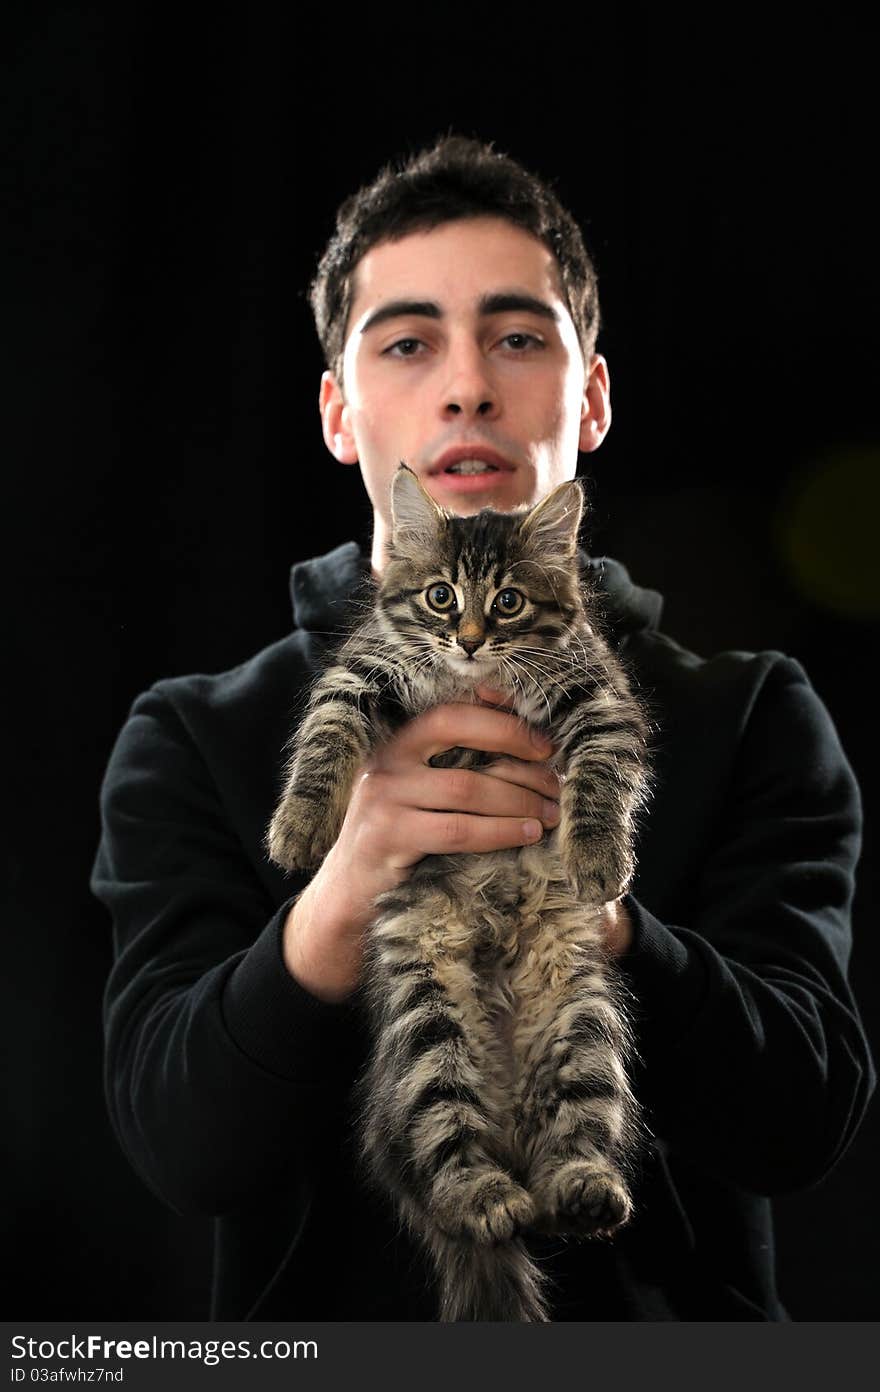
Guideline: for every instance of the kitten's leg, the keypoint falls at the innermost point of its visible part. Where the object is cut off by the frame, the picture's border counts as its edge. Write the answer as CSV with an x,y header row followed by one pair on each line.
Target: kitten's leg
x,y
575,1114
602,751
433,1105
333,741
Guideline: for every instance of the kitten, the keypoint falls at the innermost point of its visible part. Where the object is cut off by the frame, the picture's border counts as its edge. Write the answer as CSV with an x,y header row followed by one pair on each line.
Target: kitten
x,y
496,1100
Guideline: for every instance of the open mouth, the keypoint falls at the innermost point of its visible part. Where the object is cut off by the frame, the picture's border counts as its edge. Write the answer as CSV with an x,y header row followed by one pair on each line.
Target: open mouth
x,y
471,466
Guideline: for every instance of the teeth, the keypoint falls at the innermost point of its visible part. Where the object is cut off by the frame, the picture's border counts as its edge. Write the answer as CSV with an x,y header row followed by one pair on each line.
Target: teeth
x,y
471,466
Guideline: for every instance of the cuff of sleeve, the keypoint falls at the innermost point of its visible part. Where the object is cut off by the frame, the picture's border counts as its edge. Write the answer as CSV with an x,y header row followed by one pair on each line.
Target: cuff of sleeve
x,y
276,1021
667,974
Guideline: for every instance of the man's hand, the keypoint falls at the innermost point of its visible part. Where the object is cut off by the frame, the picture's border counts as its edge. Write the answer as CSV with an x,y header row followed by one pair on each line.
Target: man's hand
x,y
402,809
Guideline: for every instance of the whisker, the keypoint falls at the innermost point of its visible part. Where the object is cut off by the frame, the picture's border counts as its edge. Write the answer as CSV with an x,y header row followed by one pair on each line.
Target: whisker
x,y
513,663
536,670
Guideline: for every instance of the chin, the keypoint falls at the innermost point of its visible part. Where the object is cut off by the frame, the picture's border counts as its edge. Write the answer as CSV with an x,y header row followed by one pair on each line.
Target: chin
x,y
503,494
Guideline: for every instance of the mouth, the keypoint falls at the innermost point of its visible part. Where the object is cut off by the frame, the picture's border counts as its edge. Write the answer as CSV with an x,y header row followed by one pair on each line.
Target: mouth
x,y
469,461
477,664
469,469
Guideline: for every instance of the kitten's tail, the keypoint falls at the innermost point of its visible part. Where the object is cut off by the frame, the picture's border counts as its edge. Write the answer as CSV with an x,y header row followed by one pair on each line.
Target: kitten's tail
x,y
499,1282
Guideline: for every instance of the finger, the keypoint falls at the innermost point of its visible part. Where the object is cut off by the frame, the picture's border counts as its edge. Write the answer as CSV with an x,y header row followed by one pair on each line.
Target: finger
x,y
493,697
540,777
457,833
471,791
474,727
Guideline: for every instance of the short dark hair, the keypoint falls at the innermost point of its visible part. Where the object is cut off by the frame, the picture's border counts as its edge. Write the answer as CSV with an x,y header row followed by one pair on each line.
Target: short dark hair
x,y
456,178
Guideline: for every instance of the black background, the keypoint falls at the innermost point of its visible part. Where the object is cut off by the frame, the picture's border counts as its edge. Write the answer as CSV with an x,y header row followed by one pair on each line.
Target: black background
x,y
167,187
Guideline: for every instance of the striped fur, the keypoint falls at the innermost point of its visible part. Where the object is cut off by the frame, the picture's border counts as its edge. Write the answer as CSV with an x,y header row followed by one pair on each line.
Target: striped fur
x,y
496,1100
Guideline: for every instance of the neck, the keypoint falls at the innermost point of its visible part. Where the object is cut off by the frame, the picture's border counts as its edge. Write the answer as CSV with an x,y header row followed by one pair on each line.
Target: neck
x,y
378,557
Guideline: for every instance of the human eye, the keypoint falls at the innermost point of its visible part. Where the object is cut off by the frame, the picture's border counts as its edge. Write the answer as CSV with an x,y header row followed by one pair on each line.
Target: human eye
x,y
403,348
520,342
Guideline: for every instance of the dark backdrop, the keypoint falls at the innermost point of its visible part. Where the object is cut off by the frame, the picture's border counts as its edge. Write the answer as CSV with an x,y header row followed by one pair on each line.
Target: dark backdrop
x,y
167,189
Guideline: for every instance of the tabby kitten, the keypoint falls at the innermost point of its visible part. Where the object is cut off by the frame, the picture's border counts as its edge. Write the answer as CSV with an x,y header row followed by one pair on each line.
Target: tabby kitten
x,y
496,1099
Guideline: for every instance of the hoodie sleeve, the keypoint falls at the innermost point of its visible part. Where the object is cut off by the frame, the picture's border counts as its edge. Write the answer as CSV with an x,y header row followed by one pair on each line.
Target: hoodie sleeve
x,y
219,1067
754,1063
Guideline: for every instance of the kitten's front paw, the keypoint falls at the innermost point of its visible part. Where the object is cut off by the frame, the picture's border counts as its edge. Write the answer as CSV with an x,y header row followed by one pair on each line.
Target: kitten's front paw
x,y
599,870
297,840
484,1205
586,1198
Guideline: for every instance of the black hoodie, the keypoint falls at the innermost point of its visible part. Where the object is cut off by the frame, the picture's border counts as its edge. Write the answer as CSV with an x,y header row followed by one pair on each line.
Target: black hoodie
x,y
227,1082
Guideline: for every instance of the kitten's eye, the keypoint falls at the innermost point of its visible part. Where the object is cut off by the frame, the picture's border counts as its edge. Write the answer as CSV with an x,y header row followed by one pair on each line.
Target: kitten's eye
x,y
441,598
508,602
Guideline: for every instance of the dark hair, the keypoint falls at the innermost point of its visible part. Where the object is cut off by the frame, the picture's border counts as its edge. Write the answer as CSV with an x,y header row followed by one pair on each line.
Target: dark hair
x,y
456,178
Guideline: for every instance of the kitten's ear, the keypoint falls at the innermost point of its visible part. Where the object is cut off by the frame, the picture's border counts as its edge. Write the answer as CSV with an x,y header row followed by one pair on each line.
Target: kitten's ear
x,y
415,517
553,523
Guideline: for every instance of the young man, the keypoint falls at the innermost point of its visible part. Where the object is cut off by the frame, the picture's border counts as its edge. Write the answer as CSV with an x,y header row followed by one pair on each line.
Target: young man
x,y
458,313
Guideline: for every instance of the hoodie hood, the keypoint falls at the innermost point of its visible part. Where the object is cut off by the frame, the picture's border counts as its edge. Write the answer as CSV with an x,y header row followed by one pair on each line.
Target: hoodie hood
x,y
321,591
626,608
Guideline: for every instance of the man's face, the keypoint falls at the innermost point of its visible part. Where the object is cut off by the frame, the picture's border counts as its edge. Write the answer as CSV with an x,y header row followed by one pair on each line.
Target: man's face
x,y
460,348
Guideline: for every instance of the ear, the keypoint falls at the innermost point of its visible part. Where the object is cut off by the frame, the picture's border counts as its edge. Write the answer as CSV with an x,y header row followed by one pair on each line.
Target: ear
x,y
596,405
335,422
553,524
416,518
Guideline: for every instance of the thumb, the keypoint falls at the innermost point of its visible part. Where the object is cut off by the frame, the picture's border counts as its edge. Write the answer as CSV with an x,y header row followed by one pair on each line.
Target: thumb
x,y
491,696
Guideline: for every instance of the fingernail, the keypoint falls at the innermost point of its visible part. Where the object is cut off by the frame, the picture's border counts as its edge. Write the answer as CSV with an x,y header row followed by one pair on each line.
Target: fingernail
x,y
532,831
550,811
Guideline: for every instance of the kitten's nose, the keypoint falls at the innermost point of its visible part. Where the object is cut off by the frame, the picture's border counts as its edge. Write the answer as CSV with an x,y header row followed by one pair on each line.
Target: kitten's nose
x,y
471,635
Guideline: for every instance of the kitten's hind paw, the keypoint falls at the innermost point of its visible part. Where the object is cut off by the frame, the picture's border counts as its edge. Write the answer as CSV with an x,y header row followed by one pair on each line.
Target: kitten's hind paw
x,y
485,1205
585,1198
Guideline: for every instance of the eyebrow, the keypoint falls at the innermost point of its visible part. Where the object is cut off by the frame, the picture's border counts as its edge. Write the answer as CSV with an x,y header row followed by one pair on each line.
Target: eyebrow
x,y
500,302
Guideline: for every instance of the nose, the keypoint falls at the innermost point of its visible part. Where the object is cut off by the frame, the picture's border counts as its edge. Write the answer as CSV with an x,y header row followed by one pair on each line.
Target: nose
x,y
469,389
471,634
